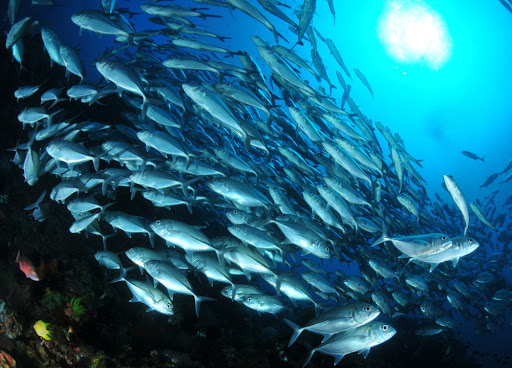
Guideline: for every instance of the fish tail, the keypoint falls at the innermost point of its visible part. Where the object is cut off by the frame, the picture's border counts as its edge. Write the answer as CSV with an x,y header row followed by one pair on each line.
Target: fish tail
x,y
308,358
278,35
104,239
297,330
199,300
381,240
189,207
122,276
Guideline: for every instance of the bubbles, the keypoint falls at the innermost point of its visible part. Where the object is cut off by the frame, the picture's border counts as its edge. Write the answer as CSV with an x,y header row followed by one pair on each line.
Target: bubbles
x,y
414,33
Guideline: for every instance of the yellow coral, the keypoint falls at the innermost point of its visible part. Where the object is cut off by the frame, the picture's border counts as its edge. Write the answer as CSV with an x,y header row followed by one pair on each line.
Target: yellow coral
x,y
42,330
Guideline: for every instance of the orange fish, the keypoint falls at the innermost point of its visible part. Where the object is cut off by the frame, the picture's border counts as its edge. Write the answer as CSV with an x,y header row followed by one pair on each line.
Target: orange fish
x,y
27,267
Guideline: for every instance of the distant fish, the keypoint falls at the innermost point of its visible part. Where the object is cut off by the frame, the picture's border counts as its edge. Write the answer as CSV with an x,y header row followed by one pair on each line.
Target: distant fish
x,y
12,10
506,5
367,84
472,156
481,216
305,19
491,179
507,168
458,197
331,8
27,267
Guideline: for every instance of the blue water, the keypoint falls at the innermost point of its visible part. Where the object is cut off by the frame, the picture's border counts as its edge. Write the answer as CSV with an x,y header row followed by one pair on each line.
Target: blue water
x,y
462,105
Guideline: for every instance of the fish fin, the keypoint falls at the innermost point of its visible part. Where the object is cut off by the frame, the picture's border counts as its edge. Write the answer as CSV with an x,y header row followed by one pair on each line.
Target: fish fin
x,y
189,207
199,300
297,330
151,237
96,163
233,291
104,239
317,308
247,274
122,275
294,257
17,257
36,203
365,352
247,142
455,261
308,358
210,281
322,295
220,257
325,338
381,240
433,266
338,358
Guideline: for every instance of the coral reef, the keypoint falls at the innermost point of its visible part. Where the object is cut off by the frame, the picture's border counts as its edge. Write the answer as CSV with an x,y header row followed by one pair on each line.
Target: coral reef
x,y
75,309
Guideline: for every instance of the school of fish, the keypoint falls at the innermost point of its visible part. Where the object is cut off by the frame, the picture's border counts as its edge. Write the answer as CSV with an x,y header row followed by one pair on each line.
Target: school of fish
x,y
267,148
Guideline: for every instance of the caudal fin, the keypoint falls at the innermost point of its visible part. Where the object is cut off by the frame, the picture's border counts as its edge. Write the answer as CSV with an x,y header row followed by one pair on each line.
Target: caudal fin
x,y
381,240
297,330
199,300
308,358
122,276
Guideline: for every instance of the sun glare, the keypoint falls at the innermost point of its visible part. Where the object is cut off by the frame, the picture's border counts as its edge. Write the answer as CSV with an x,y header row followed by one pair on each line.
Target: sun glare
x,y
414,33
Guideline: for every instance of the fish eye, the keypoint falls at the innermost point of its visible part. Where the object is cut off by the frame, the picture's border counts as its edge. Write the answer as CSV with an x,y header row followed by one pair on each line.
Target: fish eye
x,y
217,238
214,180
444,238
325,185
249,299
367,308
235,212
384,327
158,222
470,240
168,306
327,248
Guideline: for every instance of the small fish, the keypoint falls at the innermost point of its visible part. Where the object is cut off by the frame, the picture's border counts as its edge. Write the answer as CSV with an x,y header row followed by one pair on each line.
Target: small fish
x,y
27,267
363,79
42,330
458,197
491,179
473,156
